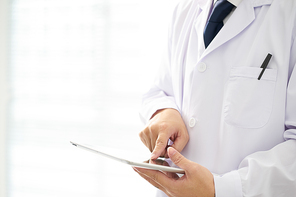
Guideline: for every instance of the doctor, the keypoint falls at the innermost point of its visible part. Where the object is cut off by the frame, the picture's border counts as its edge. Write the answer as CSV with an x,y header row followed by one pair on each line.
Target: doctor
x,y
231,117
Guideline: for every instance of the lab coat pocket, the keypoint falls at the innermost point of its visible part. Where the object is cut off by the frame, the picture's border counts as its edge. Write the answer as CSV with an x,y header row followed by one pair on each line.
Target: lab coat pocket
x,y
249,101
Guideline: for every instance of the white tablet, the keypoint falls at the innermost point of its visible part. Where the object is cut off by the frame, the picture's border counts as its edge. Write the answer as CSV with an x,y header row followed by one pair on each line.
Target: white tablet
x,y
158,164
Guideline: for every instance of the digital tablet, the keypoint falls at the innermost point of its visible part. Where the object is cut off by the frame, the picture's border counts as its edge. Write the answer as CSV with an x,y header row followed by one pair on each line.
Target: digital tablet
x,y
158,164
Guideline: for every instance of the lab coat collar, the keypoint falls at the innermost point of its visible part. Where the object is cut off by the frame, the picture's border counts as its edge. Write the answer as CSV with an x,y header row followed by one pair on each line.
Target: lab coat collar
x,y
240,19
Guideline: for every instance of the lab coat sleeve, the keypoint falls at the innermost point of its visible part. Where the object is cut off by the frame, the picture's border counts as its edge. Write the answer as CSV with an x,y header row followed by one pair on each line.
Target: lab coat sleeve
x,y
269,173
161,94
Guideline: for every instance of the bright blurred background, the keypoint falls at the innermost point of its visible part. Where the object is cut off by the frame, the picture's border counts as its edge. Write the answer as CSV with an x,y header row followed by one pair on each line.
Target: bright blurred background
x,y
75,70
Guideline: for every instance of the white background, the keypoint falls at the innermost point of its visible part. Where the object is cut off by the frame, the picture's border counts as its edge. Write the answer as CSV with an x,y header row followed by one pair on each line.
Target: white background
x,y
77,70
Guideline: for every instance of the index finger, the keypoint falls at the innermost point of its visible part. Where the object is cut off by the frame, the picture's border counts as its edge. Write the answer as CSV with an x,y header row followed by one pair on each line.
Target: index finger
x,y
160,146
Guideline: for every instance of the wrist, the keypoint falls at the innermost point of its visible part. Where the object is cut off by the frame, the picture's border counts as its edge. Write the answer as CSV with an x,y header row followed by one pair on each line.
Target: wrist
x,y
157,112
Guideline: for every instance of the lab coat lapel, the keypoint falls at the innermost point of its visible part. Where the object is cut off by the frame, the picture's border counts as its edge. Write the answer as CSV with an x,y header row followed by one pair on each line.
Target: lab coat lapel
x,y
181,50
242,17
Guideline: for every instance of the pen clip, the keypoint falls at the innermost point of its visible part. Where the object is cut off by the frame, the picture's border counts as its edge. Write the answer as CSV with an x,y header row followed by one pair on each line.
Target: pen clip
x,y
264,65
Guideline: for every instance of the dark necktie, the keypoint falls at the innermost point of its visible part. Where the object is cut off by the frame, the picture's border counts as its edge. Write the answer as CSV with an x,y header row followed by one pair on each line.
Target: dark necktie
x,y
221,9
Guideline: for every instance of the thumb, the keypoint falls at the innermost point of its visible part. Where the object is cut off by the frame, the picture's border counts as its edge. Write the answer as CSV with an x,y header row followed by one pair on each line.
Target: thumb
x,y
179,159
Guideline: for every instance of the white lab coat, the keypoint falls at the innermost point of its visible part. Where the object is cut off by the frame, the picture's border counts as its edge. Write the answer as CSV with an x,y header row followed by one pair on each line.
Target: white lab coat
x,y
241,128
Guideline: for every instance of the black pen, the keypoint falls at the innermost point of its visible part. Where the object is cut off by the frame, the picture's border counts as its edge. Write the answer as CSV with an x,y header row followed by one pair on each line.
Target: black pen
x,y
264,65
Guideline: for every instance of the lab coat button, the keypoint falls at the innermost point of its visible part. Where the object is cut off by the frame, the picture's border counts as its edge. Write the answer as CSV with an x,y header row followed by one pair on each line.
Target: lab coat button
x,y
192,122
201,67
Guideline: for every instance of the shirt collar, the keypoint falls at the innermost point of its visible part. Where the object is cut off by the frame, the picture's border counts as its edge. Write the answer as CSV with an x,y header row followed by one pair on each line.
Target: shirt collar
x,y
202,3
233,2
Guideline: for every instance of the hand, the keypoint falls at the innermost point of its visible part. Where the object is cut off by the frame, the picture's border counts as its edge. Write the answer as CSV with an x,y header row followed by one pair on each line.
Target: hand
x,y
197,181
164,125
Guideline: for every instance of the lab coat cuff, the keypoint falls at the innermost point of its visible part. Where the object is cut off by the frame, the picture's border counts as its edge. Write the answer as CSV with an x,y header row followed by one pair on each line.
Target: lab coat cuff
x,y
150,108
228,185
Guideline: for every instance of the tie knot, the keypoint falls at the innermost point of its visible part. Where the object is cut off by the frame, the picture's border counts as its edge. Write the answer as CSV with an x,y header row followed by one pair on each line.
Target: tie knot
x,y
221,9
